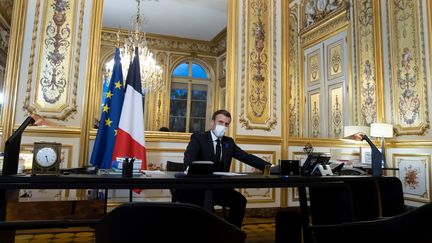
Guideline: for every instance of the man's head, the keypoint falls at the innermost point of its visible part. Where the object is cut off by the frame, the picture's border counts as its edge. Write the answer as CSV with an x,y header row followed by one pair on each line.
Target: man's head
x,y
220,121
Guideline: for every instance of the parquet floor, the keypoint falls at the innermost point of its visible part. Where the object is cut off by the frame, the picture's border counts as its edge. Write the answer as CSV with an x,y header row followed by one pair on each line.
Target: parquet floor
x,y
259,230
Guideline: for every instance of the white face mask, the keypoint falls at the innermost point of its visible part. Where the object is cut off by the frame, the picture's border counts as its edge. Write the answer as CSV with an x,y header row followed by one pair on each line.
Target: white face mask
x,y
219,131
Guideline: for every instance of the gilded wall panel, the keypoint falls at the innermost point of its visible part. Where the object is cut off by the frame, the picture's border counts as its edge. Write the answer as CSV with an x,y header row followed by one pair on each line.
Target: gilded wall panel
x,y
5,21
156,100
335,60
366,61
259,195
314,114
313,67
336,111
54,90
293,75
258,85
407,67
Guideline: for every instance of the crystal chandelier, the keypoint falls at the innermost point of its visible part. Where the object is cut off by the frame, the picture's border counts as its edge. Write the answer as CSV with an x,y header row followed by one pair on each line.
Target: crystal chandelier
x,y
151,73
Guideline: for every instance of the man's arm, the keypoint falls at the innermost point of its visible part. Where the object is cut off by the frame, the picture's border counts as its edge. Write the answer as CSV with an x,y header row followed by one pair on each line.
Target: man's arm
x,y
192,150
249,159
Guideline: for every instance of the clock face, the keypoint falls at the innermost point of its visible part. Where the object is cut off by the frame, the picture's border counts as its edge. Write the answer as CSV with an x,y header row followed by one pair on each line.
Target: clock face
x,y
46,157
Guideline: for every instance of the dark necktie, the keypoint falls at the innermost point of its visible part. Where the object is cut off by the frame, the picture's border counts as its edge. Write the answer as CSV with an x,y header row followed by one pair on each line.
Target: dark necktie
x,y
218,151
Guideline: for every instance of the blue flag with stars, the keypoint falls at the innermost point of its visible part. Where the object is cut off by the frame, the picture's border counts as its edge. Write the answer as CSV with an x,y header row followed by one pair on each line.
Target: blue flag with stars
x,y
101,156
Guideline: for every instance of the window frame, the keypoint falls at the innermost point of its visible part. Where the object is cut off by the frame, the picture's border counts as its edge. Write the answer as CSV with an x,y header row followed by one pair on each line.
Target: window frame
x,y
190,82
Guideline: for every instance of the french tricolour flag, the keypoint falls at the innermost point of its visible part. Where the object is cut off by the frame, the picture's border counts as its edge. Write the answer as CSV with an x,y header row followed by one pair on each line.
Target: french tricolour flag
x,y
130,135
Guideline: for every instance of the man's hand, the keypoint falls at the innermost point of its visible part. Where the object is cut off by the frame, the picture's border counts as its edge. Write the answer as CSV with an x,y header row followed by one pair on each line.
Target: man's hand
x,y
40,121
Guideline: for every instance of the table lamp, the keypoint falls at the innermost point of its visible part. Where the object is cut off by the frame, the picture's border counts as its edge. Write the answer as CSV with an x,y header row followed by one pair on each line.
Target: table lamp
x,y
13,144
359,133
382,130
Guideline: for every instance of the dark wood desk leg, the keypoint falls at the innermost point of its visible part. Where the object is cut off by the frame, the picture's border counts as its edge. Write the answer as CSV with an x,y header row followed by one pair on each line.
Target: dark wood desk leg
x,y
304,212
208,200
7,236
106,201
130,195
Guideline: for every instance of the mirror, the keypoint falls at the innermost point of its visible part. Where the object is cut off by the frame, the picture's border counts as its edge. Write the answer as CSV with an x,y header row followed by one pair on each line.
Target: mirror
x,y
5,27
188,40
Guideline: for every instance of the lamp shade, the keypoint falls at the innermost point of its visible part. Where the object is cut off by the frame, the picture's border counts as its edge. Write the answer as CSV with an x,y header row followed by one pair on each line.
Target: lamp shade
x,y
351,130
382,130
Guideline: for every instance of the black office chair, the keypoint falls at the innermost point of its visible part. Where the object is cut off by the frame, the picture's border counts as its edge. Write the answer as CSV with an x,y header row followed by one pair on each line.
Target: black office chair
x,y
411,226
174,166
165,222
178,166
356,200
351,201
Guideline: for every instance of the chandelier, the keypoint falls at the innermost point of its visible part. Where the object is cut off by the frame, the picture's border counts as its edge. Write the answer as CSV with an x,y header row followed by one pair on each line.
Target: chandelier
x,y
151,73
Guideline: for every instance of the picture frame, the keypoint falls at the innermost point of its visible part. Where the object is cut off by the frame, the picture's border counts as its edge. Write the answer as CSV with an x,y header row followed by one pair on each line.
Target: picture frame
x,y
414,173
366,155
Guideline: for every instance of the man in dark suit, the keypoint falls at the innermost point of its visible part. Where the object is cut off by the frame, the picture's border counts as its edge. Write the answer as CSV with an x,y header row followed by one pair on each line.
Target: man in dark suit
x,y
214,146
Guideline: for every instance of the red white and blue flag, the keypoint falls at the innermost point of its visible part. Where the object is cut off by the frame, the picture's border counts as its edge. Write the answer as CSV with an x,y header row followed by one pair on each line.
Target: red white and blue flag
x,y
130,136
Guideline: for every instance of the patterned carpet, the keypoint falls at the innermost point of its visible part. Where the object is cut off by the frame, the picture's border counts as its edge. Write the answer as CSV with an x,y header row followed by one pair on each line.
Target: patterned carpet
x,y
83,237
259,230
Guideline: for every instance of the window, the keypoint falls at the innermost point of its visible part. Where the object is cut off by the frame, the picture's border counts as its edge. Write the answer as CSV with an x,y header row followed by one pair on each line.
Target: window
x,y
190,99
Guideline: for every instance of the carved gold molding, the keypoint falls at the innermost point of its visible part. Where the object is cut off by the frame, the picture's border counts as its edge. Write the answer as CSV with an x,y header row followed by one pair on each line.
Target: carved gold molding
x,y
369,71
52,88
13,64
328,142
409,144
324,29
247,139
53,131
429,18
232,62
170,43
156,136
92,72
293,74
259,81
407,67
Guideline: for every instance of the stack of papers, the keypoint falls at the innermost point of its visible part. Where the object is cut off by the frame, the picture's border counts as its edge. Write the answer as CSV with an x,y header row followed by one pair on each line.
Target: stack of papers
x,y
227,174
152,172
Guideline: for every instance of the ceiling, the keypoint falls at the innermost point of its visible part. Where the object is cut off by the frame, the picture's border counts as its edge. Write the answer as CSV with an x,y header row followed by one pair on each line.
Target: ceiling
x,y
194,19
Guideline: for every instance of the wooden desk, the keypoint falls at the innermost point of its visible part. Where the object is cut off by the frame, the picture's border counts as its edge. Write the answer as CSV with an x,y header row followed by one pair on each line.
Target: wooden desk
x,y
170,180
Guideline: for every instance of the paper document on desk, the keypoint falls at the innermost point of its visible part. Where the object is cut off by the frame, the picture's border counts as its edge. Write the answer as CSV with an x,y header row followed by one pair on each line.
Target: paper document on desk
x,y
227,173
152,172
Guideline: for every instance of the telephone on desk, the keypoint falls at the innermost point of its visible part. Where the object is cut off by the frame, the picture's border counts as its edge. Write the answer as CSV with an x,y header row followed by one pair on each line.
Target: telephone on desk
x,y
79,170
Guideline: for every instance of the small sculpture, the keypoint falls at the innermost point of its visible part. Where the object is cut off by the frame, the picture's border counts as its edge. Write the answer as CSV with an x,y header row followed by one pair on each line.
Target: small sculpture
x,y
332,5
310,12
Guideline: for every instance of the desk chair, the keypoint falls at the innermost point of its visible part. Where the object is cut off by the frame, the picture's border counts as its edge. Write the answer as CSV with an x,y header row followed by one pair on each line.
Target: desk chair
x,y
350,201
411,226
165,222
178,166
362,200
174,166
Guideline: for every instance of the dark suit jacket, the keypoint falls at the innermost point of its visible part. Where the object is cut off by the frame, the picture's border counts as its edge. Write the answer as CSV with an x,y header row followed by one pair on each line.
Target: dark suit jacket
x,y
201,147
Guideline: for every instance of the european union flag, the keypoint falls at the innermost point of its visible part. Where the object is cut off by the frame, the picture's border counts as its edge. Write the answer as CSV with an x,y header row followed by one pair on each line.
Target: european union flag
x,y
103,148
